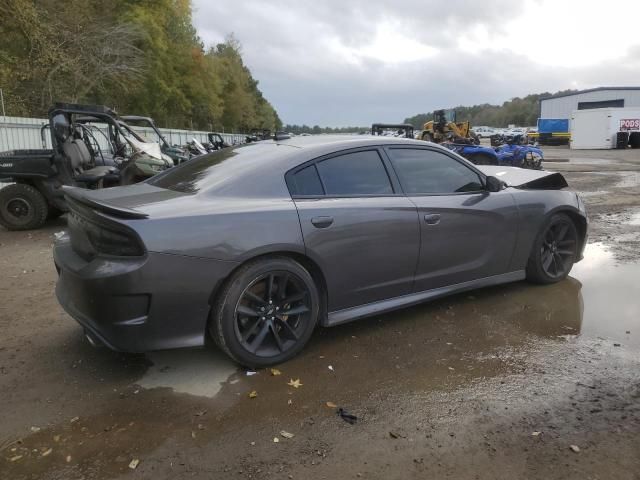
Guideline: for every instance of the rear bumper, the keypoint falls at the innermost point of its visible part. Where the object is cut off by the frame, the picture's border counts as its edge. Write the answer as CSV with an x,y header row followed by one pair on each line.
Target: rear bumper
x,y
140,304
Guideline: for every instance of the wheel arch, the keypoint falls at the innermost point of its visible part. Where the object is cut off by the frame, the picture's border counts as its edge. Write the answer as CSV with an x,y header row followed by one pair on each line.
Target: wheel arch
x,y
310,265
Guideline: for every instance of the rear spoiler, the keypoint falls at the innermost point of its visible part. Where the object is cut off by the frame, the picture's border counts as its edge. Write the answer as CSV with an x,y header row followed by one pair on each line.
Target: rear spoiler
x,y
78,195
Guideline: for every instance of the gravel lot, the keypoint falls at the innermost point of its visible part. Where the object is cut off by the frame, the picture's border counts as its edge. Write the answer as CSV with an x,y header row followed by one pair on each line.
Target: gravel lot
x,y
518,381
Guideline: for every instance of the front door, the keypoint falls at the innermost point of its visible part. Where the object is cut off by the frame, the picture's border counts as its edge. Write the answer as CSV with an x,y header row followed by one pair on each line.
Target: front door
x,y
467,233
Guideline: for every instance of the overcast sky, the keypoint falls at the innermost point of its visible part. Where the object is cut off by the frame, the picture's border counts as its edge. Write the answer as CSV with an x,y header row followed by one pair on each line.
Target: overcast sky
x,y
355,62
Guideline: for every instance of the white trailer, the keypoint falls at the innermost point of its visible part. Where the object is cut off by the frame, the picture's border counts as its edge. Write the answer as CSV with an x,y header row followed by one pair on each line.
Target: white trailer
x,y
597,128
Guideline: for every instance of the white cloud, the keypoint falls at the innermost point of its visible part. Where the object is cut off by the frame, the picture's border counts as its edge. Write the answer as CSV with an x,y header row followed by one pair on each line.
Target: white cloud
x,y
334,62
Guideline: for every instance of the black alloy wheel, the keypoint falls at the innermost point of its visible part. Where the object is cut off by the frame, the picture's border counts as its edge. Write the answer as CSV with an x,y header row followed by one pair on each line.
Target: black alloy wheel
x,y
558,249
555,250
266,312
271,314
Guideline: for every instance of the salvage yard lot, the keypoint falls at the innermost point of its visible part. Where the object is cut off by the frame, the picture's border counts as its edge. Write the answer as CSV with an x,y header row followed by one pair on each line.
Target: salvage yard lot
x,y
497,383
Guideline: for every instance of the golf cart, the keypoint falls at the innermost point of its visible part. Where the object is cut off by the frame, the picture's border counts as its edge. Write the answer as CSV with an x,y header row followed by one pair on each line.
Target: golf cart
x,y
177,154
80,157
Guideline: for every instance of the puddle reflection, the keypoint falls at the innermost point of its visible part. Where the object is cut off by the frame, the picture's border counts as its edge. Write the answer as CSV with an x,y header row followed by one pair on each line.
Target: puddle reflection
x,y
612,296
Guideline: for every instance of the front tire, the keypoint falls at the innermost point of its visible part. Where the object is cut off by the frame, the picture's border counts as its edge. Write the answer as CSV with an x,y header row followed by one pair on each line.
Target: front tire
x,y
427,137
266,312
554,251
22,207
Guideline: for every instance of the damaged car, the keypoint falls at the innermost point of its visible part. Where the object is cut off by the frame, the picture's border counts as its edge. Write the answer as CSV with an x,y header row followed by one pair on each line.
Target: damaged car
x,y
255,246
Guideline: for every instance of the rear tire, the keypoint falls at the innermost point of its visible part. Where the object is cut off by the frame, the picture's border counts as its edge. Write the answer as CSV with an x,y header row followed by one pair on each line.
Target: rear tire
x,y
250,320
427,137
22,207
554,250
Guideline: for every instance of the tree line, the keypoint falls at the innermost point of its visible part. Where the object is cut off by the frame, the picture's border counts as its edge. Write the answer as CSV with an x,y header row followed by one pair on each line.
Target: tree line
x,y
316,129
517,111
140,57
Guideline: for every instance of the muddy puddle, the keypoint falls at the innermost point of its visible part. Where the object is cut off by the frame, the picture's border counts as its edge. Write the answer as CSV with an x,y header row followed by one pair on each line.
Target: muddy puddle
x,y
196,397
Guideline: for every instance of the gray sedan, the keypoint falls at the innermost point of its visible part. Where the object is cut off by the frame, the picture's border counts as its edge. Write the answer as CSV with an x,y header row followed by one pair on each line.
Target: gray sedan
x,y
256,245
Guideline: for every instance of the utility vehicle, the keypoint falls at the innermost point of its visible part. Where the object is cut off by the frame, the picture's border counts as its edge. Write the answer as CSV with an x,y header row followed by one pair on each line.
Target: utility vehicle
x,y
79,157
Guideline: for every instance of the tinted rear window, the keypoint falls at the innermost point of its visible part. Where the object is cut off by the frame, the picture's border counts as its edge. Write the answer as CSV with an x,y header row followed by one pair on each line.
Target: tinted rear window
x,y
359,173
306,182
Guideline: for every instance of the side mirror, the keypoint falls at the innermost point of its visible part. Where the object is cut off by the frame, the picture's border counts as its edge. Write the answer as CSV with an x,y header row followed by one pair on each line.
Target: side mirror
x,y
493,184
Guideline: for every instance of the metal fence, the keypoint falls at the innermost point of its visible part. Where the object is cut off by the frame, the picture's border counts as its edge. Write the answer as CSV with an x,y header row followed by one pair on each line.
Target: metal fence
x,y
24,133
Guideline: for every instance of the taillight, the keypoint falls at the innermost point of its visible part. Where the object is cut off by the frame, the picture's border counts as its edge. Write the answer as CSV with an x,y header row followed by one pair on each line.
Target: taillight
x,y
97,236
109,241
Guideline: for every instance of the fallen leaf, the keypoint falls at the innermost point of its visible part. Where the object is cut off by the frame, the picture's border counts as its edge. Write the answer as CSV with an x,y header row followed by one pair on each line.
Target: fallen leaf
x,y
56,438
331,368
68,459
253,394
396,435
575,448
285,434
35,429
289,402
294,383
133,464
275,372
16,458
535,434
193,434
276,439
331,405
74,419
253,444
47,452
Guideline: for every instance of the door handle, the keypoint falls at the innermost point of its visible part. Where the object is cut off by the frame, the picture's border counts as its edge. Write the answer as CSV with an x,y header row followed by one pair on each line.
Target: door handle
x,y
322,222
432,218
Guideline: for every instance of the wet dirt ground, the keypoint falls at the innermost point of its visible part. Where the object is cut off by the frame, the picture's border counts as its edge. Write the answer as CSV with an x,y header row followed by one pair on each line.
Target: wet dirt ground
x,y
497,383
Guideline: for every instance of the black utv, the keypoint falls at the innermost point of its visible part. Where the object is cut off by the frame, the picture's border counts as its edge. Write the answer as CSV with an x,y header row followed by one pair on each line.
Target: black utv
x,y
78,157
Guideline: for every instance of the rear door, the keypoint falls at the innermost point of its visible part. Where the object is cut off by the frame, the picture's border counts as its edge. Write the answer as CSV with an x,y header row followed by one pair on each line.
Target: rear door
x,y
466,232
357,226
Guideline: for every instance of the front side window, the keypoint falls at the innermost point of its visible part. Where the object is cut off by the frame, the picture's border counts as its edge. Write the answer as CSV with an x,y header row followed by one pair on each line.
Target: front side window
x,y
430,172
358,173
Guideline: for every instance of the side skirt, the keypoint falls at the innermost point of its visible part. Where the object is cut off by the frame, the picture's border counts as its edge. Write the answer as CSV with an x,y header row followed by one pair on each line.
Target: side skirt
x,y
382,306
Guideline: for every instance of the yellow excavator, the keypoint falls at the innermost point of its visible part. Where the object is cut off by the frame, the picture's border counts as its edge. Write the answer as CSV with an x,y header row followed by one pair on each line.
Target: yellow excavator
x,y
444,128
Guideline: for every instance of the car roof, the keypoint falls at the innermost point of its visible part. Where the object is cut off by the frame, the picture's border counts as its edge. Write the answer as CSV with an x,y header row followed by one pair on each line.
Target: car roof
x,y
339,142
257,169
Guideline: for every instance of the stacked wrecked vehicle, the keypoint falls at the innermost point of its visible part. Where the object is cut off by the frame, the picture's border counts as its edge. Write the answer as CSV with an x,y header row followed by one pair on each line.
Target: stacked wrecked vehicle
x,y
91,148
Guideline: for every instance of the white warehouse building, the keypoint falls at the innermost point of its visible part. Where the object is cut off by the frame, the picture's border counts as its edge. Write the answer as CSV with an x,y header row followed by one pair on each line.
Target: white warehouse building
x,y
563,105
